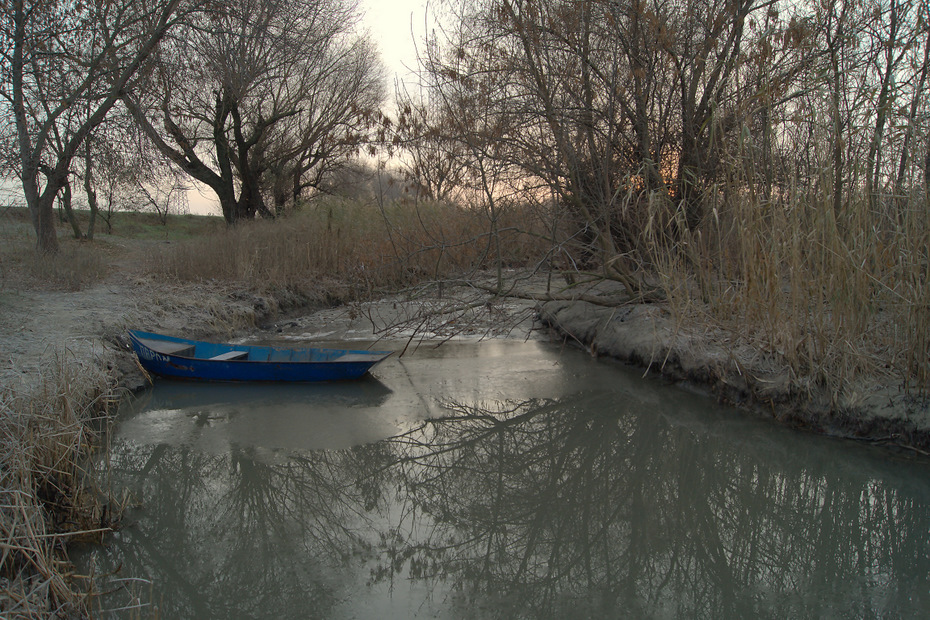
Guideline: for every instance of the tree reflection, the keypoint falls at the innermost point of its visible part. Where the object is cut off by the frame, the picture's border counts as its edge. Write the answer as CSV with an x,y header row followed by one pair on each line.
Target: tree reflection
x,y
583,507
545,509
238,535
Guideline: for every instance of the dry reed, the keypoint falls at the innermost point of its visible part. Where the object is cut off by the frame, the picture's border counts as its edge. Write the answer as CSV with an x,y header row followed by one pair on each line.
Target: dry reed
x,y
351,247
77,266
45,499
836,297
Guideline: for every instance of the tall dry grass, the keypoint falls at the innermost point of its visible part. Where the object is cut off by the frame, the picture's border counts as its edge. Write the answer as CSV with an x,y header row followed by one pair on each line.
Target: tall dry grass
x,y
836,297
358,247
45,499
77,266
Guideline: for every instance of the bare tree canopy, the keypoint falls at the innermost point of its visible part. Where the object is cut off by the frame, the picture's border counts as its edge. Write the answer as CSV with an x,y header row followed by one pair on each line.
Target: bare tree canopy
x,y
65,66
260,99
639,116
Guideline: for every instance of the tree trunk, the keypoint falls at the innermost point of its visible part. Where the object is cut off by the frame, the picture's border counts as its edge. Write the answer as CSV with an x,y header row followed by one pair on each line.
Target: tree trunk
x,y
251,201
927,173
834,43
688,190
64,199
108,214
228,206
641,88
911,124
46,234
295,188
41,206
873,163
89,190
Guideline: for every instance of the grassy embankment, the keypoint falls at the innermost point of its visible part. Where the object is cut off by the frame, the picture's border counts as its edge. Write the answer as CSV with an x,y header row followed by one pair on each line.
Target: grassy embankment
x,y
337,250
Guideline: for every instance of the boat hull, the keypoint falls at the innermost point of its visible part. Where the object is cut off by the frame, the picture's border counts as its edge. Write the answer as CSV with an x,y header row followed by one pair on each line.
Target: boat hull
x,y
181,358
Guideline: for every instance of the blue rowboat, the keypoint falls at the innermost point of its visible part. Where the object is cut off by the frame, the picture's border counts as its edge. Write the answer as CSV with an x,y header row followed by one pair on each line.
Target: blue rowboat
x,y
192,359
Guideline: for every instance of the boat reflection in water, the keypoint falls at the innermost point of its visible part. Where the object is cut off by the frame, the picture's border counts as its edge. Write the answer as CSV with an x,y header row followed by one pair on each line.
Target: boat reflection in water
x,y
288,416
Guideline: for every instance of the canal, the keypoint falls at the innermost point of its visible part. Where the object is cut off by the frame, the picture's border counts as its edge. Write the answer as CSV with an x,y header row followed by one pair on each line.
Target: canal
x,y
499,479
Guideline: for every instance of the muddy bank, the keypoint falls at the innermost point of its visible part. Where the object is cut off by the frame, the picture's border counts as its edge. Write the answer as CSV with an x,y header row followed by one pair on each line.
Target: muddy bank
x,y
648,336
90,326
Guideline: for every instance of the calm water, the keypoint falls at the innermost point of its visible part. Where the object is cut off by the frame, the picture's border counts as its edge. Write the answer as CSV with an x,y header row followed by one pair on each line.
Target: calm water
x,y
502,480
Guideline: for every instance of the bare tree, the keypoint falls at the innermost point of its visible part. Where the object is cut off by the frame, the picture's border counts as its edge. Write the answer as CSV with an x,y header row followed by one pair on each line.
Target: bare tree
x,y
148,181
113,159
258,94
106,160
631,112
342,96
424,137
67,64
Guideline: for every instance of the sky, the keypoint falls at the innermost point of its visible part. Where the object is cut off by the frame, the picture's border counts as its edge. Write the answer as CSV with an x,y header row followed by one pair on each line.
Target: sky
x,y
390,22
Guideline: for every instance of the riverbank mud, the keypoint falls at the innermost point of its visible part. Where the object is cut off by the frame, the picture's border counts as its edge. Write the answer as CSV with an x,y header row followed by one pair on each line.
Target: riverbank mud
x,y
648,336
90,325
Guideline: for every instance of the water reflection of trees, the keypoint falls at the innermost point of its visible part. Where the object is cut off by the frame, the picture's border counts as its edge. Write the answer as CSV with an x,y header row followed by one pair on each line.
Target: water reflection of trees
x,y
538,508
243,534
548,510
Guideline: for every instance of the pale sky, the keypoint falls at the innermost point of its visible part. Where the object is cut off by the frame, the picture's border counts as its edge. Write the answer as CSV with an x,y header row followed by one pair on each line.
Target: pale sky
x,y
389,22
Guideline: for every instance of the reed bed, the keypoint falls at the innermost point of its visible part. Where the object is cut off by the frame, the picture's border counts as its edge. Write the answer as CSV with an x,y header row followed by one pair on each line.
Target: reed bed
x,y
356,247
46,501
838,298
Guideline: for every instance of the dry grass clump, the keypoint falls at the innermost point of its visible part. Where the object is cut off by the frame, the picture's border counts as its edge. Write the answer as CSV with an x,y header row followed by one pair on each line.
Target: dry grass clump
x,y
363,245
44,498
77,266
